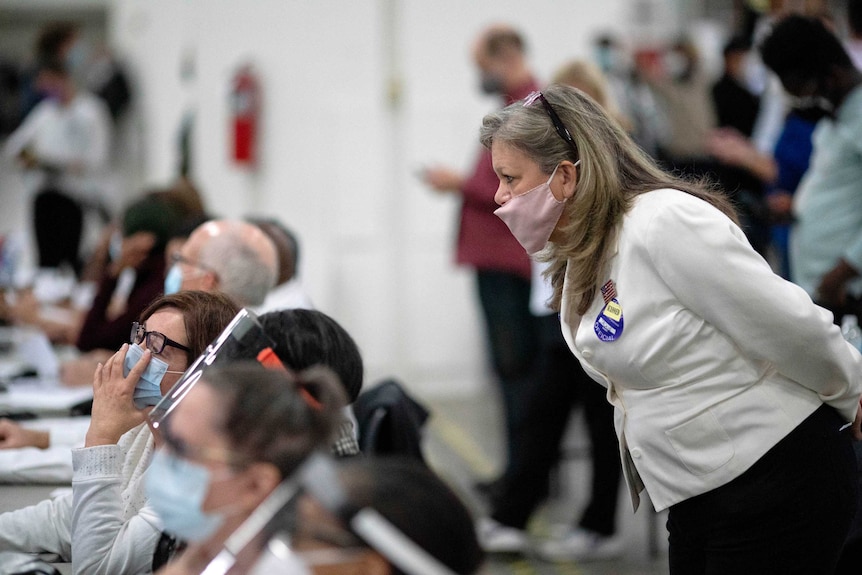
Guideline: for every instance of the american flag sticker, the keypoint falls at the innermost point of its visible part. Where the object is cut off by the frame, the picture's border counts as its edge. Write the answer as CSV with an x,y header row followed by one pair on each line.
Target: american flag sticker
x,y
609,291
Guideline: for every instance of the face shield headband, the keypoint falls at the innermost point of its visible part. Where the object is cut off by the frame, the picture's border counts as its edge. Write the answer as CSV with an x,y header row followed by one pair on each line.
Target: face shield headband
x,y
319,478
243,338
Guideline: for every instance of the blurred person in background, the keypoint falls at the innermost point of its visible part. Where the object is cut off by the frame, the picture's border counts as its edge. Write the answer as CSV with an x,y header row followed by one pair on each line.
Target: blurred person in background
x,y
63,147
737,109
231,256
288,292
131,274
826,247
561,384
639,113
826,240
736,106
502,268
139,251
682,88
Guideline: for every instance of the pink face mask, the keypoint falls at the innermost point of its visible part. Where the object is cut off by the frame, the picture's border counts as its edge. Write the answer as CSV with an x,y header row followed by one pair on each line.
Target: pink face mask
x,y
533,215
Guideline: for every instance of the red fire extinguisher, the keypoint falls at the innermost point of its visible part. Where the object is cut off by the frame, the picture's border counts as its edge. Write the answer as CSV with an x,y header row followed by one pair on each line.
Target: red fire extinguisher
x,y
245,110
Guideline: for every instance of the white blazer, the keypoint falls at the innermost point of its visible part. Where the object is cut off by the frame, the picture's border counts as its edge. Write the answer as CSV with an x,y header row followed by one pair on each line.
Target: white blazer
x,y
716,358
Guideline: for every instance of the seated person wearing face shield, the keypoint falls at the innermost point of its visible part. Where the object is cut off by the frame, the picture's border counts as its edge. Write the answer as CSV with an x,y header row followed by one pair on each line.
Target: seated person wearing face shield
x,y
230,434
384,516
303,338
104,526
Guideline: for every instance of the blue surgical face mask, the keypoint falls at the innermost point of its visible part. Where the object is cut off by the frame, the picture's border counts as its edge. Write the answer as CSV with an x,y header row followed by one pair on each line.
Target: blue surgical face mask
x,y
176,489
174,280
148,390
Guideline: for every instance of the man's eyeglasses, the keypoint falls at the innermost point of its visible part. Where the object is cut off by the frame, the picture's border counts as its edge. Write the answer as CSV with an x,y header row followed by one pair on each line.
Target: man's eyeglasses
x,y
156,341
178,258
555,119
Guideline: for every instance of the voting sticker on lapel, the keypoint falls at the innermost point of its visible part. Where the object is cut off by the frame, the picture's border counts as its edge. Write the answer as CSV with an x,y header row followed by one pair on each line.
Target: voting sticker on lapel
x,y
609,324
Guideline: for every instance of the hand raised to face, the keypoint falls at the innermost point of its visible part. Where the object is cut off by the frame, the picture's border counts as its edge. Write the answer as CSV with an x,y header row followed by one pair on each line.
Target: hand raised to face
x,y
114,411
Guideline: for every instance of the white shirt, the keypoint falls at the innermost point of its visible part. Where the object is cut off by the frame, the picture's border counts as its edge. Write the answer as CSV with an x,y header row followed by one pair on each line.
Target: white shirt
x,y
77,133
289,295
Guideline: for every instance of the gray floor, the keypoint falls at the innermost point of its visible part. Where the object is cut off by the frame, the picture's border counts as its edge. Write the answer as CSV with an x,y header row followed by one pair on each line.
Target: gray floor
x,y
463,445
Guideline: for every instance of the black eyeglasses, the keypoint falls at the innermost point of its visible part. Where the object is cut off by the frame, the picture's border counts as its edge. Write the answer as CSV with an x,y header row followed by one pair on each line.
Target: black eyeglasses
x,y
555,119
178,258
156,341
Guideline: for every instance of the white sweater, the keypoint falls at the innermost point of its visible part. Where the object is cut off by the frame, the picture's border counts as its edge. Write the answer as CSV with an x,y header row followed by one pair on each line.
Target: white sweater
x,y
104,526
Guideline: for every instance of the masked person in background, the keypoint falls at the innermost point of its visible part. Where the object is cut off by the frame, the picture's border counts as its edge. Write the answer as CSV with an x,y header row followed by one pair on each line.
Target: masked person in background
x,y
105,526
484,244
236,432
63,147
731,389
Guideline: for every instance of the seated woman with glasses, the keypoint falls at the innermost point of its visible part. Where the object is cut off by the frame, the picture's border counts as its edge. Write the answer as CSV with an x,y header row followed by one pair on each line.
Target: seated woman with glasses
x,y
104,526
231,439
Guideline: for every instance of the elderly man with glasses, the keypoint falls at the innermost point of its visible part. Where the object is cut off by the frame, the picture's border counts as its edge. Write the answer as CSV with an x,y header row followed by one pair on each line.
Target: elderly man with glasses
x,y
230,256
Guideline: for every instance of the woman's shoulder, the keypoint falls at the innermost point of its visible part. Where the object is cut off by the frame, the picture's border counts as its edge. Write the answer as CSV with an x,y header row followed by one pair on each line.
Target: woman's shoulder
x,y
647,205
670,212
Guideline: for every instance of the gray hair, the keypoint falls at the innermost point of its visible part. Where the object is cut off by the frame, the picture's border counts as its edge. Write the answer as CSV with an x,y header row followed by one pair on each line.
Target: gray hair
x,y
612,172
242,273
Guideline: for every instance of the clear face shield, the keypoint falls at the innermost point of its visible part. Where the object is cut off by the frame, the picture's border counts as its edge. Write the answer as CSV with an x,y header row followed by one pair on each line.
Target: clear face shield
x,y
242,339
268,532
318,478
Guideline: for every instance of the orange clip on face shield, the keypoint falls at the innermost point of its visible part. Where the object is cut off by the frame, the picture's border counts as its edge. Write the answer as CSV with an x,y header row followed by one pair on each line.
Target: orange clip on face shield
x,y
242,339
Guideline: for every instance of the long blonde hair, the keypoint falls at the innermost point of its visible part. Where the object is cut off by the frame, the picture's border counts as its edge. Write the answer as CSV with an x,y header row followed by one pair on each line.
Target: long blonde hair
x,y
587,77
613,170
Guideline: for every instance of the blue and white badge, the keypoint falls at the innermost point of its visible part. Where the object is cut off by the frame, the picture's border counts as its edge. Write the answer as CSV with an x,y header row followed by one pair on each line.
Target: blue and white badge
x,y
609,324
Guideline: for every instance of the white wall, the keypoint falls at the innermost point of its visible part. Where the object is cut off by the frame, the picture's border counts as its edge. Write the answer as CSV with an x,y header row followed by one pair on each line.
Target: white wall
x,y
339,149
357,95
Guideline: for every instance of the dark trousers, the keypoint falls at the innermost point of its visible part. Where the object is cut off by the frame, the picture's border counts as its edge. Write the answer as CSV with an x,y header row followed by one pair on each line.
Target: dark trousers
x,y
788,514
511,331
850,562
58,220
561,385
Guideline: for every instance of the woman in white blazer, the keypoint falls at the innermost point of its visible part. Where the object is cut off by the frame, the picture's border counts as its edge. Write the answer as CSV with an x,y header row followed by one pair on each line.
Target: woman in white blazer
x,y
731,388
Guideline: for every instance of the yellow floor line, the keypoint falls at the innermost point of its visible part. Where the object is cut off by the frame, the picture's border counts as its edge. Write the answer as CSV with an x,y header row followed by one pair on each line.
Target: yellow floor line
x,y
454,437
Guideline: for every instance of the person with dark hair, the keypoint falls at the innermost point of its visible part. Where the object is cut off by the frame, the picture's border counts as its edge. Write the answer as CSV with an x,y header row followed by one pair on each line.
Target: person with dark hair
x,y
502,268
736,106
304,338
735,396
105,525
64,144
135,274
227,445
826,240
390,516
288,292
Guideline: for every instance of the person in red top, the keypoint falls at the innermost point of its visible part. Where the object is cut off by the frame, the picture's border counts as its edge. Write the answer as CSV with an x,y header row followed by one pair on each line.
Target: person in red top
x,y
486,244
